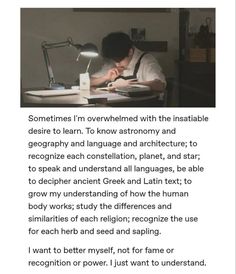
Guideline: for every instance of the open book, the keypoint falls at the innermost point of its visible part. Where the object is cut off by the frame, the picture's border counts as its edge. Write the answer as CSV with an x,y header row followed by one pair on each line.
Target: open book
x,y
131,91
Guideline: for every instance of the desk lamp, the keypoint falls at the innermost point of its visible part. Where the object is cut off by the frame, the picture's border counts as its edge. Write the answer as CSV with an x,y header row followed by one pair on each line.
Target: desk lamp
x,y
88,50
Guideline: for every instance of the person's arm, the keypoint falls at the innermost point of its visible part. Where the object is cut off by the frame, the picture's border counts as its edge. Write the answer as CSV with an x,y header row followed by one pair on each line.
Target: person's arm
x,y
151,74
110,75
98,81
155,85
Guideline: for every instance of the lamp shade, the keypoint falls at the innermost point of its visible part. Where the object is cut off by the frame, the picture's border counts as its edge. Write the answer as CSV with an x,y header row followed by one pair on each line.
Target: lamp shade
x,y
89,50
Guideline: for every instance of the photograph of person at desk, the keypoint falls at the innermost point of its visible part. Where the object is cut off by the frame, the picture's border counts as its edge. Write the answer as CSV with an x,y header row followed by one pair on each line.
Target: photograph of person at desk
x,y
135,64
129,77
125,66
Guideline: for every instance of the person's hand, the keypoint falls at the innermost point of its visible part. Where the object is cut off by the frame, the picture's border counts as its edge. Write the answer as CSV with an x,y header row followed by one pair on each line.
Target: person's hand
x,y
123,83
112,74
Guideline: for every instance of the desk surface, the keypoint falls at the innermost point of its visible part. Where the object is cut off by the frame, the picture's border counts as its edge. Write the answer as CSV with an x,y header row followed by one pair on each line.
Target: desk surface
x,y
90,98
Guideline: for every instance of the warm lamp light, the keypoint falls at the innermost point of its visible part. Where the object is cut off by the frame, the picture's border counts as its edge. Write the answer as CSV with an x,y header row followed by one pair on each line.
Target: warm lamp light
x,y
89,50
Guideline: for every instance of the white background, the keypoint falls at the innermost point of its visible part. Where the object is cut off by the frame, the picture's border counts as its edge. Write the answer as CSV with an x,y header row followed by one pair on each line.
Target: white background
x,y
217,203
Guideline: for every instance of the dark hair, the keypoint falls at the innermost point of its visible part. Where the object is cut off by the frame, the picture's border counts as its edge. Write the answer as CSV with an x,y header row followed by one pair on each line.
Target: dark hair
x,y
116,46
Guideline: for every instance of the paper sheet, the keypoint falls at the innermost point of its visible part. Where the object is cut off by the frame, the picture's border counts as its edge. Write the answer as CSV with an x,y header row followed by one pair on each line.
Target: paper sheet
x,y
47,93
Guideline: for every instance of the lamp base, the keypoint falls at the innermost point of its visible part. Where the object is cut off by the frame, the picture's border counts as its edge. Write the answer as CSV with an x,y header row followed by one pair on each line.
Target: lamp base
x,y
57,86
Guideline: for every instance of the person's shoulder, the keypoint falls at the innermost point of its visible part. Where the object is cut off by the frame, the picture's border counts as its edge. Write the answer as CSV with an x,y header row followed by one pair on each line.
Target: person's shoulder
x,y
145,55
148,56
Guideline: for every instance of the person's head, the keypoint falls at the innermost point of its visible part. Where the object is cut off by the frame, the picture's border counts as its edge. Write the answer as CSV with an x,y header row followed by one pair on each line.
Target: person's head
x,y
118,47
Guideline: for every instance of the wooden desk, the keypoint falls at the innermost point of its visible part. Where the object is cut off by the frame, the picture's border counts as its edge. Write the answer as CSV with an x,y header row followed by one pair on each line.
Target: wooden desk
x,y
93,99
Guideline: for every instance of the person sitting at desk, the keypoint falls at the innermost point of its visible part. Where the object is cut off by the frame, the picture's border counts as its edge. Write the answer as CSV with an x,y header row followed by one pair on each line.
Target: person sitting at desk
x,y
127,65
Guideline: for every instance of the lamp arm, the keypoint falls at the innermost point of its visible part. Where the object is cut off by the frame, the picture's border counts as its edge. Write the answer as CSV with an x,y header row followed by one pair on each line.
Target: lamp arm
x,y
88,65
49,67
46,46
67,43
